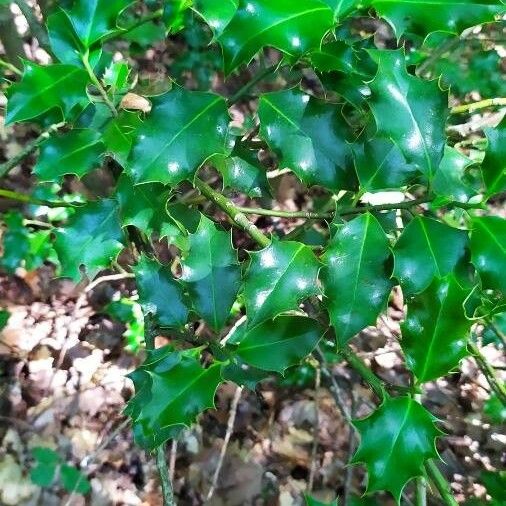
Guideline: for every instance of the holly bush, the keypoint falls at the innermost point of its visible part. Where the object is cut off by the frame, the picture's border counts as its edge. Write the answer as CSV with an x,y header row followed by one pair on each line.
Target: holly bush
x,y
355,118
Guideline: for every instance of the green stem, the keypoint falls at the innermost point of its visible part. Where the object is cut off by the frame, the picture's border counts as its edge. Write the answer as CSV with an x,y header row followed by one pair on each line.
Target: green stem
x,y
28,149
441,483
495,383
308,215
10,67
124,30
94,79
367,375
28,199
161,461
231,210
475,106
421,491
36,28
257,78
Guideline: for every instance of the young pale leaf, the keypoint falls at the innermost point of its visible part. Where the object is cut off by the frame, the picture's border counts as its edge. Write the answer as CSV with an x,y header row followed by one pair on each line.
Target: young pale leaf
x,y
172,388
142,206
119,135
435,331
92,238
494,164
355,277
395,441
449,181
452,15
309,136
279,277
380,165
216,13
76,152
278,344
488,251
410,111
211,273
291,27
43,88
427,249
160,294
94,19
183,130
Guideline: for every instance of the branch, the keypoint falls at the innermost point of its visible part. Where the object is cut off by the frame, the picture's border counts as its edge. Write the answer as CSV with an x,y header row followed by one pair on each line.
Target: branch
x,y
475,106
9,66
308,215
441,483
224,446
123,30
495,383
257,78
28,149
28,199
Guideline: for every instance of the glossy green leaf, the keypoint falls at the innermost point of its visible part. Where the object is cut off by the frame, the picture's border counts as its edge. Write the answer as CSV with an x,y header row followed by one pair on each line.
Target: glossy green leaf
x,y
183,130
92,238
160,294
142,206
211,273
243,172
380,165
495,483
450,180
488,251
171,389
435,331
119,134
43,88
15,242
495,410
427,249
174,14
494,164
426,16
277,344
395,441
335,56
63,39
216,13
279,277
94,19
309,137
342,8
356,277
47,462
409,110
76,152
74,480
291,27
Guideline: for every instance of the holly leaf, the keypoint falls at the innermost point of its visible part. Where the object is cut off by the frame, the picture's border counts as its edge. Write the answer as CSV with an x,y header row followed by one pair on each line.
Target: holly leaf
x,y
450,179
278,278
160,294
309,137
73,480
278,344
494,164
43,88
427,249
380,165
15,242
409,110
76,152
216,13
142,206
435,331
452,15
488,251
183,130
243,172
171,389
94,19
343,8
211,273
292,27
356,277
119,134
63,39
395,441
92,238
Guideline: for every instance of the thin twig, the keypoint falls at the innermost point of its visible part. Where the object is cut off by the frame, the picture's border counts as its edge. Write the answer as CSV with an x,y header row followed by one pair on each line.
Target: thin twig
x,y
109,277
224,446
28,199
9,66
316,428
172,460
475,106
257,78
441,483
